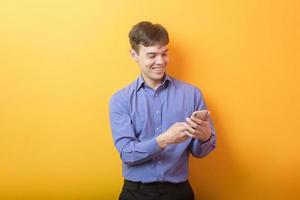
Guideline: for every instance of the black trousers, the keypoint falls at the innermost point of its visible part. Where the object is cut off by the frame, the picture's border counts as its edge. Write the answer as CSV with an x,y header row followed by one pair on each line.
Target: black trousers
x,y
156,191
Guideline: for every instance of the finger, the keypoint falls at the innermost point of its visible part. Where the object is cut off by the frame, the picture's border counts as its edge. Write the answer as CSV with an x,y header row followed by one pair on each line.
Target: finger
x,y
182,126
205,124
190,129
196,120
189,134
191,123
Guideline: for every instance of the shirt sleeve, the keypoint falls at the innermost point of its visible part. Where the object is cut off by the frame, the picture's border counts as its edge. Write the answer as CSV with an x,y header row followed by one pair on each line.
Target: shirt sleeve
x,y
200,148
131,150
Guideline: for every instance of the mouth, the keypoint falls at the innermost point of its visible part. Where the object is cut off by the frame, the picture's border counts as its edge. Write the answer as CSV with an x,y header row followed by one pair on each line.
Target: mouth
x,y
158,69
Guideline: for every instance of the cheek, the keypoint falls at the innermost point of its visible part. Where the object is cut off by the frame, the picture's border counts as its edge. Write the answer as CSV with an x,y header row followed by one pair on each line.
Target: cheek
x,y
148,63
166,59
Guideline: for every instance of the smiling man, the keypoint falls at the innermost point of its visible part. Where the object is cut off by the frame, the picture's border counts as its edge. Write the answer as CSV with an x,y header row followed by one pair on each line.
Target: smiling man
x,y
157,122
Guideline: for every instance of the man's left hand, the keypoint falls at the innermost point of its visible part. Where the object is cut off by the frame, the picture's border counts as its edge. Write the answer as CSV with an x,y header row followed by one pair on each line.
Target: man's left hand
x,y
197,128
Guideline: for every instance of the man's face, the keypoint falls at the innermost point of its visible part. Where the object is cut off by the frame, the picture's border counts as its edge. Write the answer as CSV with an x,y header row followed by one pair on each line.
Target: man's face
x,y
152,61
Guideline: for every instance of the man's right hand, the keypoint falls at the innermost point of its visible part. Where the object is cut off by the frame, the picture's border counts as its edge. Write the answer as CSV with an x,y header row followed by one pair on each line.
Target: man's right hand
x,y
174,135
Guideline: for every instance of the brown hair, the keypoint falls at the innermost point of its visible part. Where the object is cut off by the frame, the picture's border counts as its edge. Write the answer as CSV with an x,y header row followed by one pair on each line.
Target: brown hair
x,y
147,34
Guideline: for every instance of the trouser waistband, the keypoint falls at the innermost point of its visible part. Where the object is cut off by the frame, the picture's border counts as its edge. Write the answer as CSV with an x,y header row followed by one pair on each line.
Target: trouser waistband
x,y
154,185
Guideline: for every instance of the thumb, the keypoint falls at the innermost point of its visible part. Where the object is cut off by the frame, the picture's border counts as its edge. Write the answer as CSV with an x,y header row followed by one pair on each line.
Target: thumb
x,y
207,115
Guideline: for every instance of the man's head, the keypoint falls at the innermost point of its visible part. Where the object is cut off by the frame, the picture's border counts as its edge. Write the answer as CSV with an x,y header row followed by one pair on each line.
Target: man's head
x,y
147,34
149,49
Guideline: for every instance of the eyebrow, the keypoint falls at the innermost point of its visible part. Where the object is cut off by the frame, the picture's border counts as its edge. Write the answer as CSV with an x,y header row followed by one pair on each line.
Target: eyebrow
x,y
149,53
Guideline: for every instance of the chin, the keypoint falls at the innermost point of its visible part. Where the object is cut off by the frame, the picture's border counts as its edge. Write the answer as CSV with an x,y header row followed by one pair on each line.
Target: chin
x,y
159,77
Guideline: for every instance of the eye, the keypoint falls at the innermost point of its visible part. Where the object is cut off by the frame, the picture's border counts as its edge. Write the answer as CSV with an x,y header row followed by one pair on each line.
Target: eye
x,y
151,55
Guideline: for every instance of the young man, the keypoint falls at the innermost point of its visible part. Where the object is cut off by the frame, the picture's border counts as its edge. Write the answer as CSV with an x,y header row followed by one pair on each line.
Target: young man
x,y
154,125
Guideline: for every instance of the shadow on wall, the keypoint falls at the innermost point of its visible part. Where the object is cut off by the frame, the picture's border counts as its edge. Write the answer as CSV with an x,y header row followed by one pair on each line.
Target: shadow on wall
x,y
218,175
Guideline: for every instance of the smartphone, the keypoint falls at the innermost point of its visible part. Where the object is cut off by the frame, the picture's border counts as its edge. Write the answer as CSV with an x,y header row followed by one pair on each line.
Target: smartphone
x,y
201,114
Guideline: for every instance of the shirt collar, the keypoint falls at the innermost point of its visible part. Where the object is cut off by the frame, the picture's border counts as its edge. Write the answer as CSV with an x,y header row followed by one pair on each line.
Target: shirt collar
x,y
141,83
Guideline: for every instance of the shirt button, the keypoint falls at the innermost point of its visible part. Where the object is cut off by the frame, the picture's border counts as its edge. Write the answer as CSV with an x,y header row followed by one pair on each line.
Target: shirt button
x,y
159,162
157,129
156,95
157,112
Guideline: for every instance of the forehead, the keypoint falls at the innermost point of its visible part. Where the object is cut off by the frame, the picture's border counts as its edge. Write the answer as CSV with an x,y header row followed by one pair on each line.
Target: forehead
x,y
153,49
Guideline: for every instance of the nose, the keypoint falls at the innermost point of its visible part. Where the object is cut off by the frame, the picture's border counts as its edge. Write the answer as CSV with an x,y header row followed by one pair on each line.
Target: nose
x,y
159,60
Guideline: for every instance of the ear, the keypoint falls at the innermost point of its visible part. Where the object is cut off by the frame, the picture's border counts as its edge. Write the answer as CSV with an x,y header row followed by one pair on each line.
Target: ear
x,y
133,54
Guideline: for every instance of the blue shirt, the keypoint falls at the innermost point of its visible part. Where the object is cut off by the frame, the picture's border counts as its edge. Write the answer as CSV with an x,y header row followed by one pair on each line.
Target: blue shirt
x,y
138,114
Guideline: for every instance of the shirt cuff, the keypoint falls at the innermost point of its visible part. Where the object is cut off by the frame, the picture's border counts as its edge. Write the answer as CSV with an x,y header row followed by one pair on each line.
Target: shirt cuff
x,y
203,142
207,142
151,146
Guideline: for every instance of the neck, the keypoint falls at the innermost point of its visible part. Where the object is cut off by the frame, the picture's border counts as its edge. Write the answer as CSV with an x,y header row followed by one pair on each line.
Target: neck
x,y
154,84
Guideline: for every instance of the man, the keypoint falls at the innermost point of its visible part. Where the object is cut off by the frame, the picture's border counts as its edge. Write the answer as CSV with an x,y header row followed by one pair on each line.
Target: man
x,y
154,125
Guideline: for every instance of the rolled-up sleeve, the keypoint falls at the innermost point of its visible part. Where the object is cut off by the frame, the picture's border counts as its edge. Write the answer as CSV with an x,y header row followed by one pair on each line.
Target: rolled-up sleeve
x,y
131,150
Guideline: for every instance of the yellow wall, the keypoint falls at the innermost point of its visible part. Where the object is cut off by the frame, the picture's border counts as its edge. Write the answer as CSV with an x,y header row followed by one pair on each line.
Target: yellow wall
x,y
60,61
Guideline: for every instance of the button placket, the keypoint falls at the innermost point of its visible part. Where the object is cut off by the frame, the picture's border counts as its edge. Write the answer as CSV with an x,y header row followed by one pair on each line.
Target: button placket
x,y
156,113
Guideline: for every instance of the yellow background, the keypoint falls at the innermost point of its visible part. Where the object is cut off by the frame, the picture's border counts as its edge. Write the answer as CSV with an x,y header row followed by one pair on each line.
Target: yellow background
x,y
61,60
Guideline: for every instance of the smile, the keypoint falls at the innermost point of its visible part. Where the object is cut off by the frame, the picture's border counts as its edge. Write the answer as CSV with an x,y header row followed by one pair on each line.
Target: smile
x,y
158,68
